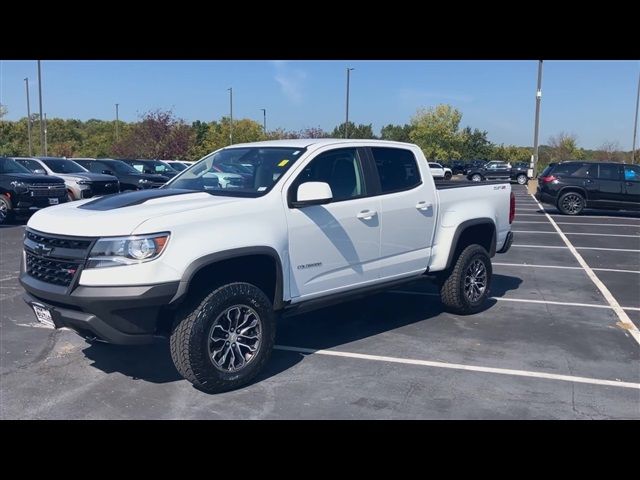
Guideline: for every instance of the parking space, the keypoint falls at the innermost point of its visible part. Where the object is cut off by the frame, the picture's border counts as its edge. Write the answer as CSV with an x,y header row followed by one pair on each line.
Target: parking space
x,y
549,344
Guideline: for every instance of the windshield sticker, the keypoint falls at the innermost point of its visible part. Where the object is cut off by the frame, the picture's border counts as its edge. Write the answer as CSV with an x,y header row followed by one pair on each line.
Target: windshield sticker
x,y
283,163
262,189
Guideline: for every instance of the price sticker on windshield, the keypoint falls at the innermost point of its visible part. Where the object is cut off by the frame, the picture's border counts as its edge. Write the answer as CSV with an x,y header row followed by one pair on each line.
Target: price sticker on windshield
x,y
283,163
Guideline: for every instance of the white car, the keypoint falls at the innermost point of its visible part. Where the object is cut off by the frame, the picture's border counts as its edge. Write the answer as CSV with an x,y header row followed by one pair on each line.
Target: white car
x,y
438,171
212,268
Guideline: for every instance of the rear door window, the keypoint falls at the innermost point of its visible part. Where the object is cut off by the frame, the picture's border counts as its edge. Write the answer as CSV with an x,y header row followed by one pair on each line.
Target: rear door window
x,y
397,169
609,172
632,173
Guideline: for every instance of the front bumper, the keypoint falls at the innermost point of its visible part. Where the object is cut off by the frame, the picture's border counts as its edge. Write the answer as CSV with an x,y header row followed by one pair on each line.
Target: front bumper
x,y
507,243
125,315
25,203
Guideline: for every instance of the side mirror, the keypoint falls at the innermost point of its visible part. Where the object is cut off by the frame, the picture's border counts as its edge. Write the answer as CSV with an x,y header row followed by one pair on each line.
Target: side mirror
x,y
313,193
40,171
107,172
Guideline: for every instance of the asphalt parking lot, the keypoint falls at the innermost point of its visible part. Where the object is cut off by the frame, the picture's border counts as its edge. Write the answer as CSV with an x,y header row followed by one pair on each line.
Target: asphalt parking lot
x,y
558,340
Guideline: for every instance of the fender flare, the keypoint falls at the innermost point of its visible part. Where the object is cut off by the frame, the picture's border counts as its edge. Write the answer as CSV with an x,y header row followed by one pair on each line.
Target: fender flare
x,y
202,262
460,230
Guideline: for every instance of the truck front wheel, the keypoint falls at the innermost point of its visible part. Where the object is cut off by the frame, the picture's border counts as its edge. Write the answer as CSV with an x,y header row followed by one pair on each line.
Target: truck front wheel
x,y
225,341
466,287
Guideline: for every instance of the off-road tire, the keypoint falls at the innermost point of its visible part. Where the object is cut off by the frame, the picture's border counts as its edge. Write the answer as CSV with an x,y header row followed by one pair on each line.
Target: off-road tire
x,y
189,338
452,291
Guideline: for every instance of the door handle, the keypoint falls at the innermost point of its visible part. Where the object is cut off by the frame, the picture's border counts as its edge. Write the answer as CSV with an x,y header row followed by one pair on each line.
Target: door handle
x,y
423,205
367,214
629,184
588,181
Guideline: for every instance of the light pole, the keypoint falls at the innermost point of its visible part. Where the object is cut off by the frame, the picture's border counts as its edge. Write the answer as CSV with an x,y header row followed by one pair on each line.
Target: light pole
x,y
45,134
40,113
26,86
635,124
230,115
264,120
346,123
117,121
534,157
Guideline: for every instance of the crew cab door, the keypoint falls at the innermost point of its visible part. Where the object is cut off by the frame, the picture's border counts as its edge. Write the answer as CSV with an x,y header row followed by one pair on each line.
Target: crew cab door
x,y
408,203
333,247
632,186
495,170
610,185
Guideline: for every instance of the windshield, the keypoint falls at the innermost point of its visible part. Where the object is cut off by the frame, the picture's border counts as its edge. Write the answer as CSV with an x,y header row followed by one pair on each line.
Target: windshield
x,y
178,166
11,166
64,166
152,166
263,166
119,167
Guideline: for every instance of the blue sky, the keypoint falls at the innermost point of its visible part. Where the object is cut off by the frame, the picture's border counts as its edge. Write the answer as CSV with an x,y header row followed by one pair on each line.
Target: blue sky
x,y
593,99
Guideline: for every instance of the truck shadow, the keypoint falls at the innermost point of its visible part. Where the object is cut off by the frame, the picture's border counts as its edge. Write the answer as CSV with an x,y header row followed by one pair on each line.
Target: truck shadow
x,y
325,328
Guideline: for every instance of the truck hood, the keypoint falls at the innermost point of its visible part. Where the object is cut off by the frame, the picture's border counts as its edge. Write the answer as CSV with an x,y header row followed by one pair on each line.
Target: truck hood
x,y
94,177
120,214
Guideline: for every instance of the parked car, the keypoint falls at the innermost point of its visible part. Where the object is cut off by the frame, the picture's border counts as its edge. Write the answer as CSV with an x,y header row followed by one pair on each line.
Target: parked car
x,y
22,192
497,170
176,165
473,164
129,177
212,268
438,171
457,167
574,186
152,167
79,181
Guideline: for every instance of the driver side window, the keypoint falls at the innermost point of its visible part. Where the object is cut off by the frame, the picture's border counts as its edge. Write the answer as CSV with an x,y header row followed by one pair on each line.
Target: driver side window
x,y
341,169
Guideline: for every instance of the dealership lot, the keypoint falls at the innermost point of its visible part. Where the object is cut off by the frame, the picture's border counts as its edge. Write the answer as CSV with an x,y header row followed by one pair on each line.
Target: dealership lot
x,y
550,344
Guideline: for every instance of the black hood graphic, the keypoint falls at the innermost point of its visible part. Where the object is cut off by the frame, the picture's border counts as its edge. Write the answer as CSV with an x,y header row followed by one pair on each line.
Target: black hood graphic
x,y
128,199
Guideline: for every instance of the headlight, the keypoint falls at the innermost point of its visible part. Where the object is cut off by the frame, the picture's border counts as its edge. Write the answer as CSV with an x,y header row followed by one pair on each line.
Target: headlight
x,y
20,187
118,251
83,182
143,180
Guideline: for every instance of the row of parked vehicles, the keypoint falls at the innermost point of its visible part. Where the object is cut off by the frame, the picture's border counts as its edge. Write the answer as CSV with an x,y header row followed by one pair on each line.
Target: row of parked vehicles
x,y
480,170
28,184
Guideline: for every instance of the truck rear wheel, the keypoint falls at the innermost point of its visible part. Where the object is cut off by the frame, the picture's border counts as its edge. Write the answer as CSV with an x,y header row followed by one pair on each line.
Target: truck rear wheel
x,y
466,287
223,342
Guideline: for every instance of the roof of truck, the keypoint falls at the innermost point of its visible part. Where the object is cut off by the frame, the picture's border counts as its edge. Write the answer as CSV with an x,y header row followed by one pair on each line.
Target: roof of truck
x,y
307,142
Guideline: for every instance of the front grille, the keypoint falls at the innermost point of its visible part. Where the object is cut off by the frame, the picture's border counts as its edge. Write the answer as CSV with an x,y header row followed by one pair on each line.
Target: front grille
x,y
50,241
55,259
104,188
58,272
47,189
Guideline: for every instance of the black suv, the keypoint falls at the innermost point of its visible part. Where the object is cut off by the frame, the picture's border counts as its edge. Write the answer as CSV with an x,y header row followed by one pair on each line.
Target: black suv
x,y
574,186
129,177
22,192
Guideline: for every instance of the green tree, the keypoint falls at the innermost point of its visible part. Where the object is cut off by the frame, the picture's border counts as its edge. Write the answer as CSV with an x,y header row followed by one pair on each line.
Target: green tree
x,y
355,131
397,133
244,131
511,153
435,130
474,144
564,146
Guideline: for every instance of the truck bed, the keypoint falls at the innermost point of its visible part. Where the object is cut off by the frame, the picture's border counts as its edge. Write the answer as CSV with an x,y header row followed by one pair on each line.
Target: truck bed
x,y
447,184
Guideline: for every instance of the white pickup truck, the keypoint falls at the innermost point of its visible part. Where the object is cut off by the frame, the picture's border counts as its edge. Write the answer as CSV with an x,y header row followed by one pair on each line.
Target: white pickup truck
x,y
212,266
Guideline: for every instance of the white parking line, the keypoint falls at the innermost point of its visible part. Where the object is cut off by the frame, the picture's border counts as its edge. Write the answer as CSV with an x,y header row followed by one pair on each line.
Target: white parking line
x,y
578,233
517,300
562,267
458,366
600,224
6,279
590,216
622,315
579,248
